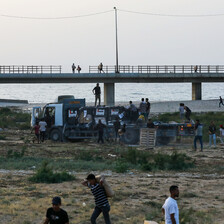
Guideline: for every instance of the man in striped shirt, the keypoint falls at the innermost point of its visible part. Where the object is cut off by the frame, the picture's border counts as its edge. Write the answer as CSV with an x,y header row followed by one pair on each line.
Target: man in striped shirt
x,y
101,202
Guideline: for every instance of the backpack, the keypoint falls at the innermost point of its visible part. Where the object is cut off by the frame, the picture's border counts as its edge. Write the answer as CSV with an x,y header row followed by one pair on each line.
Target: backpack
x,y
108,189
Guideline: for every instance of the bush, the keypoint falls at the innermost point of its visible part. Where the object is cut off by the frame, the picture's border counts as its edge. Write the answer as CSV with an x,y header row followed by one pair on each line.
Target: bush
x,y
121,166
2,137
46,175
16,154
149,161
192,216
13,119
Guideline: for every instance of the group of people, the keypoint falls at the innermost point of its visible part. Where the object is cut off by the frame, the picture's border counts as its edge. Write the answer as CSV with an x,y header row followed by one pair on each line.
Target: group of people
x,y
100,68
183,109
40,131
118,129
57,215
143,109
212,134
74,68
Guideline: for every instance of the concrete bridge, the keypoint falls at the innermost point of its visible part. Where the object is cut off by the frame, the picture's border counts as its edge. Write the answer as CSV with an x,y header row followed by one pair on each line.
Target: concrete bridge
x,y
127,74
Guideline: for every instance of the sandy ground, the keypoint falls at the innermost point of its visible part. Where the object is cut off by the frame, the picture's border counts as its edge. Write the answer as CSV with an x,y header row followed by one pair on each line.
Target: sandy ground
x,y
138,194
156,107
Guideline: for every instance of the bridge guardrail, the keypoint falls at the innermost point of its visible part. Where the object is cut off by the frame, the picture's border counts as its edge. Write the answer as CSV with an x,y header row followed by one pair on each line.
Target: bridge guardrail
x,y
160,69
30,69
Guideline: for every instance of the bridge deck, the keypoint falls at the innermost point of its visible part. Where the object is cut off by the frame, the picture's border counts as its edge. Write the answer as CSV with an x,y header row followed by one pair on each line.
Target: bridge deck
x,y
111,77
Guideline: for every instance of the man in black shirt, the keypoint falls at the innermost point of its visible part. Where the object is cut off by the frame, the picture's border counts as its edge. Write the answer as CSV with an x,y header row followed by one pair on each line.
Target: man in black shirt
x,y
188,113
100,127
56,215
147,107
117,126
150,124
97,92
220,101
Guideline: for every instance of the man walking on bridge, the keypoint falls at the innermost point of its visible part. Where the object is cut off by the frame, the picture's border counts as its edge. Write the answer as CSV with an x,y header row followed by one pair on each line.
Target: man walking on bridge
x,y
97,92
100,68
73,68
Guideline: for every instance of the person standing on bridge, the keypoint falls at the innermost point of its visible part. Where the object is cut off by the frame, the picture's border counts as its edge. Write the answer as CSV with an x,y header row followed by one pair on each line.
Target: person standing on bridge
x,y
195,68
73,68
100,68
79,69
97,92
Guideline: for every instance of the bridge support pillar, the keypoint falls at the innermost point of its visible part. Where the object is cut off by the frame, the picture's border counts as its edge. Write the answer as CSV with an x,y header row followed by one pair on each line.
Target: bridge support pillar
x,y
196,91
109,94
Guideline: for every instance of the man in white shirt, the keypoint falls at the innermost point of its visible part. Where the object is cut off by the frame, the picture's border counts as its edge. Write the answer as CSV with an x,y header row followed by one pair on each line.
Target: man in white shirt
x,y
43,126
170,207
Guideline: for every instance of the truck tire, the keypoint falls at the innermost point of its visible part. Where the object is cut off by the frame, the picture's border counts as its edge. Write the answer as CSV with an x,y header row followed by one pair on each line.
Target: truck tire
x,y
55,135
131,136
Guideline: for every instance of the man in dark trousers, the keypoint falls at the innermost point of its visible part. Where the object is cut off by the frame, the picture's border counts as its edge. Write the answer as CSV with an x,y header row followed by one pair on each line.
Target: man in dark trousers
x,y
117,126
148,107
101,202
73,68
220,101
97,92
198,135
56,215
187,113
142,108
100,68
100,127
212,134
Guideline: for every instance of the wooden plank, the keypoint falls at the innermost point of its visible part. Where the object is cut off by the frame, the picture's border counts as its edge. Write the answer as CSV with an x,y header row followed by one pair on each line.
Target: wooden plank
x,y
147,137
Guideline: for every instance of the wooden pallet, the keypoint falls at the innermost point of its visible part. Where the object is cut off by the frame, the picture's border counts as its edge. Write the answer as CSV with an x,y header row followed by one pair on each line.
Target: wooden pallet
x,y
148,137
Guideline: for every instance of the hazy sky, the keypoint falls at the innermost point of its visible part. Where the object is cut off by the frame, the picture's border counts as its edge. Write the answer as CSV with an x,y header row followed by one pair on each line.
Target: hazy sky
x,y
143,39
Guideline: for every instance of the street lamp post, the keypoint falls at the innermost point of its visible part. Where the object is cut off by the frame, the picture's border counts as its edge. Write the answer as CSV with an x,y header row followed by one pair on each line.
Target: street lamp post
x,y
117,67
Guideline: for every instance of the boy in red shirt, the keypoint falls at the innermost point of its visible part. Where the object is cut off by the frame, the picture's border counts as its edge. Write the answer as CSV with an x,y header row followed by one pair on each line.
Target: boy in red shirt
x,y
37,132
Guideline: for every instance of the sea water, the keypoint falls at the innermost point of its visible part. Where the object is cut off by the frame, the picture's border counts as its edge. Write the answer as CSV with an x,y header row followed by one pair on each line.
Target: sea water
x,y
124,92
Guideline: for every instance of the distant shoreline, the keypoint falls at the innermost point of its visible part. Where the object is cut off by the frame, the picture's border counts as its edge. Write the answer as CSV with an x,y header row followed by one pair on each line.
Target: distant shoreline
x,y
156,107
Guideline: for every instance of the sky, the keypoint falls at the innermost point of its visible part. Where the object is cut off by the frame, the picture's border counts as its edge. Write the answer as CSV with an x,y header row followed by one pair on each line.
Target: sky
x,y
142,39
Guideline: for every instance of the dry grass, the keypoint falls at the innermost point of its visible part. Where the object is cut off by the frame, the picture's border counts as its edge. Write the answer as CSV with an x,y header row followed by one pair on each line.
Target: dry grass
x,y
138,195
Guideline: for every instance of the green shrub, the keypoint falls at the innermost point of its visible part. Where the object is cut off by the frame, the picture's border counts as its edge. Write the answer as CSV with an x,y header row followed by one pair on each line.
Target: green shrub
x,y
16,154
10,118
194,217
149,161
85,155
46,175
121,166
2,137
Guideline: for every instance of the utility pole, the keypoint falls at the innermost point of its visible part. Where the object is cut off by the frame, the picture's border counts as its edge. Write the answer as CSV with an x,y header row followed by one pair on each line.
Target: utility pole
x,y
117,66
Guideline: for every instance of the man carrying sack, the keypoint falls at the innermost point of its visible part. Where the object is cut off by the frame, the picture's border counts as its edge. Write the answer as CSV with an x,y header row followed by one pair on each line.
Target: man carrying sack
x,y
100,190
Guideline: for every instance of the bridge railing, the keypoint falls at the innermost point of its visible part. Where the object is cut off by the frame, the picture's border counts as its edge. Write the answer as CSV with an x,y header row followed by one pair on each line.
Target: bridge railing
x,y
160,69
30,69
